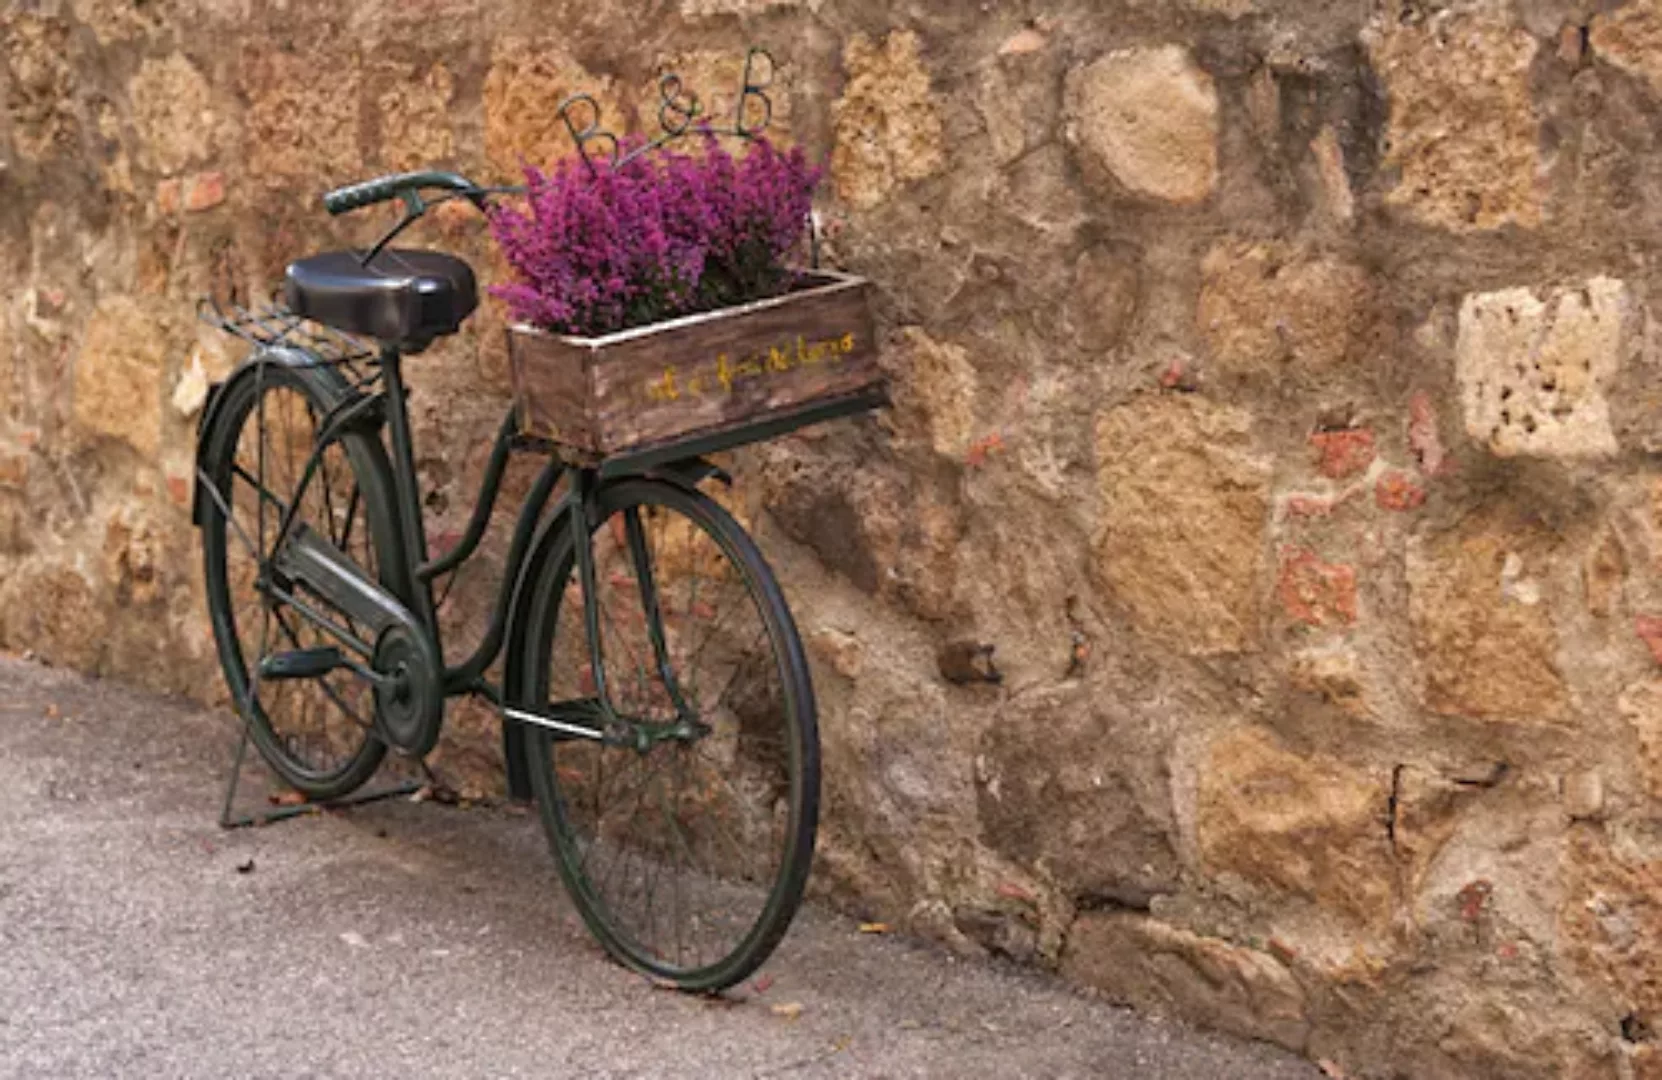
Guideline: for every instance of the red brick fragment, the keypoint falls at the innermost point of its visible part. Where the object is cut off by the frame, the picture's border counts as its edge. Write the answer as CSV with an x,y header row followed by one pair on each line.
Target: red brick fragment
x,y
1343,453
1314,592
207,190
1649,629
1397,490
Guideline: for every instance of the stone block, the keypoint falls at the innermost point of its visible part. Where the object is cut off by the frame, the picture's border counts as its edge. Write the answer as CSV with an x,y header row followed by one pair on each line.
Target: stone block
x,y
119,374
40,95
1273,310
1462,131
1183,502
1307,824
1486,639
1148,964
173,113
886,130
1062,790
1630,37
302,118
1533,369
414,106
1148,119
527,82
935,394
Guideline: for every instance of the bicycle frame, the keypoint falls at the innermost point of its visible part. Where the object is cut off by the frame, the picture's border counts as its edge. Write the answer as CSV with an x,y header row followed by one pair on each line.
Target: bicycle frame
x,y
413,565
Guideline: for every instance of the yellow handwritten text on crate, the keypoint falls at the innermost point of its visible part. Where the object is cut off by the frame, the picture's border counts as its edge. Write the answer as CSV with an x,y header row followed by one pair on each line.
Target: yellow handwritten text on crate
x,y
722,375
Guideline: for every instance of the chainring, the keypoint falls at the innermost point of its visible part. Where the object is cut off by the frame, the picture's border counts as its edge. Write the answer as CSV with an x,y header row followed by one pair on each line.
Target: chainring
x,y
409,710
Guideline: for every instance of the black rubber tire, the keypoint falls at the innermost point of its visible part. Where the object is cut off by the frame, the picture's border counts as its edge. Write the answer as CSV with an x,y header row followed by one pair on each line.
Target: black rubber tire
x,y
372,473
802,760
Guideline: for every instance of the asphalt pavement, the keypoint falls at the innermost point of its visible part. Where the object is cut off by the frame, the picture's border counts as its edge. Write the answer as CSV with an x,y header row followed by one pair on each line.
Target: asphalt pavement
x,y
415,939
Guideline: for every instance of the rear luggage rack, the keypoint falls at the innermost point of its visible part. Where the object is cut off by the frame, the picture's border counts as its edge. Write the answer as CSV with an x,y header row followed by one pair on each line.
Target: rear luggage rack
x,y
273,324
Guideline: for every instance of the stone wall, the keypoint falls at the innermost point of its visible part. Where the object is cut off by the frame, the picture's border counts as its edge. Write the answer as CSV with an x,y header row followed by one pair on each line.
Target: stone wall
x,y
1275,392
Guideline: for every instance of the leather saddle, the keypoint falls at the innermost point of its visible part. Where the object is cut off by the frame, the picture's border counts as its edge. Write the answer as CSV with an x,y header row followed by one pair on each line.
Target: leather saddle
x,y
401,297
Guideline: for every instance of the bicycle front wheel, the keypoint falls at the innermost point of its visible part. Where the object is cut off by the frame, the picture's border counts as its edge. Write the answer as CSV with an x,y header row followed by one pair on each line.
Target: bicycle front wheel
x,y
686,852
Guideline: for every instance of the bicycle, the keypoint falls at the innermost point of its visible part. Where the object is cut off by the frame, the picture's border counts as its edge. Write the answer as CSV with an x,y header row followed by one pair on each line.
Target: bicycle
x,y
673,755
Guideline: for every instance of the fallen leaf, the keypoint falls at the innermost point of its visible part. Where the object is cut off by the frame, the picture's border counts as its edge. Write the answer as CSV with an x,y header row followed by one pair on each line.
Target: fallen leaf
x,y
1329,1069
354,939
790,1010
762,984
874,928
53,712
246,866
287,798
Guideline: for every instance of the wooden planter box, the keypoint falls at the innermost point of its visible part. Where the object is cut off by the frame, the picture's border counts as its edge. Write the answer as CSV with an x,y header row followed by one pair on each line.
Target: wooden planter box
x,y
716,379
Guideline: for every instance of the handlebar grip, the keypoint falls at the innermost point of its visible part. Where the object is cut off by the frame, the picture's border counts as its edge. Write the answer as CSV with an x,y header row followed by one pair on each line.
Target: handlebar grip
x,y
383,188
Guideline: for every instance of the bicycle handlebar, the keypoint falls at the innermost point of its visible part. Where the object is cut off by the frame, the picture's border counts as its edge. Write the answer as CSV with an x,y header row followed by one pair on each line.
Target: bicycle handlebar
x,y
383,188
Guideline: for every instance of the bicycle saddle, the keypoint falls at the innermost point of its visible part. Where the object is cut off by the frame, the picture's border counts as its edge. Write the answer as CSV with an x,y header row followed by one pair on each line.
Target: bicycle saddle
x,y
402,297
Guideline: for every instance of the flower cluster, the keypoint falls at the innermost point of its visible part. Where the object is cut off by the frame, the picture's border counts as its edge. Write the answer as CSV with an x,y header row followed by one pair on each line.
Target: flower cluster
x,y
666,234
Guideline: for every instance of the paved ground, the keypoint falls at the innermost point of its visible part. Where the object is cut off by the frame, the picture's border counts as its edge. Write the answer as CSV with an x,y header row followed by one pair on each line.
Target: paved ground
x,y
418,940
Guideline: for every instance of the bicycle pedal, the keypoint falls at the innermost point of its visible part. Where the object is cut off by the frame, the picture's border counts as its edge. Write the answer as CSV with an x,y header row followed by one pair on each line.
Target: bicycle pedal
x,y
302,663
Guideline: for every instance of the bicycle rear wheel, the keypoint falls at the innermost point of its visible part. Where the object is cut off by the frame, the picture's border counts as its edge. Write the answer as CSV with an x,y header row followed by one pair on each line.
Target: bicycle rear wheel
x,y
688,851
316,733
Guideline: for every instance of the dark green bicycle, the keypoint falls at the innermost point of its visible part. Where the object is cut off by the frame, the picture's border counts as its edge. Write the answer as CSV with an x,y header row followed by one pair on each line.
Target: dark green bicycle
x,y
652,676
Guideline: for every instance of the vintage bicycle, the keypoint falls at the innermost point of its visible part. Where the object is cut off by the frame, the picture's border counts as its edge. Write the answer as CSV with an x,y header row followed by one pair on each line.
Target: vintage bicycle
x,y
654,692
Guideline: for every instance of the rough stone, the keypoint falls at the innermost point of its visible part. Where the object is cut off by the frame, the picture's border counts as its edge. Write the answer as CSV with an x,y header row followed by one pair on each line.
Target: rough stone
x,y
887,131
1304,823
1058,792
1103,300
39,96
1316,593
173,112
1533,371
936,392
1183,501
1148,118
1334,675
57,613
1630,37
1641,706
1463,129
1611,920
299,125
527,82
118,376
1602,574
1271,310
1148,964
414,105
1487,642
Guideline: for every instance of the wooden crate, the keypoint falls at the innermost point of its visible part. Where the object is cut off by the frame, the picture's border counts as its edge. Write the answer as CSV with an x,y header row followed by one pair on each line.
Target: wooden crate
x,y
721,377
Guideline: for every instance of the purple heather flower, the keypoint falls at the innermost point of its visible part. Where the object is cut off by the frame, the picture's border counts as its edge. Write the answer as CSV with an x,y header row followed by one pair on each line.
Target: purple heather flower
x,y
667,234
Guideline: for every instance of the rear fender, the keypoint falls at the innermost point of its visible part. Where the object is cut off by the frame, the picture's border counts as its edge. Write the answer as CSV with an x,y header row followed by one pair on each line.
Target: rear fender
x,y
328,384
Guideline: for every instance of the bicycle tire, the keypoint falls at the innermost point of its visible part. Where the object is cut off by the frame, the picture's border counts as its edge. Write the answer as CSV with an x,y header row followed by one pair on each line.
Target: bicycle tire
x,y
792,760
371,474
